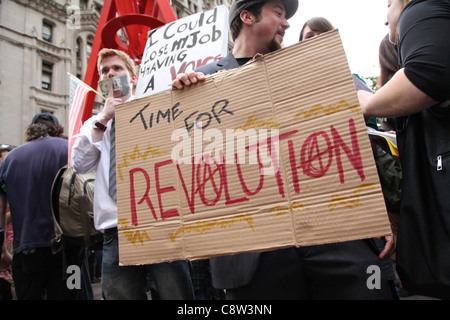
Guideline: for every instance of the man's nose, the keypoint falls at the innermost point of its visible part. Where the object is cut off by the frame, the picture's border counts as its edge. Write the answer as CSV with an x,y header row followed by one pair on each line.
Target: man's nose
x,y
286,24
111,73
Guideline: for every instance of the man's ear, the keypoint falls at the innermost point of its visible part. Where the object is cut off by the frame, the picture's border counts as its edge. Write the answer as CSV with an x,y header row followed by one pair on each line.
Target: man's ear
x,y
247,17
133,79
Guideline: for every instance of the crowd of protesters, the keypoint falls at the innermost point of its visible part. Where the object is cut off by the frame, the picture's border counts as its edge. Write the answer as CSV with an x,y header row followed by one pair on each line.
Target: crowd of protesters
x,y
413,93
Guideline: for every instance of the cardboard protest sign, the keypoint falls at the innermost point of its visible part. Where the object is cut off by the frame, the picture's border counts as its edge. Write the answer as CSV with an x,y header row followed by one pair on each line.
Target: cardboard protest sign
x,y
271,155
182,45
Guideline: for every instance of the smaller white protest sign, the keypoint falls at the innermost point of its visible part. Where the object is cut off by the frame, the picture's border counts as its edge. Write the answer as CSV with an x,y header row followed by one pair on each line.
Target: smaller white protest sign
x,y
180,46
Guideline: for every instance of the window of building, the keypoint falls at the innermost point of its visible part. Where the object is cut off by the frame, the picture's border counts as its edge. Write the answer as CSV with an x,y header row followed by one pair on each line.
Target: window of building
x,y
83,4
78,48
46,79
89,43
47,31
98,8
47,111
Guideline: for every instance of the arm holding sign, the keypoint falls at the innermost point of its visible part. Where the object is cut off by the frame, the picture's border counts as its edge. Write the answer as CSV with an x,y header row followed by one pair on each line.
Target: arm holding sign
x,y
187,79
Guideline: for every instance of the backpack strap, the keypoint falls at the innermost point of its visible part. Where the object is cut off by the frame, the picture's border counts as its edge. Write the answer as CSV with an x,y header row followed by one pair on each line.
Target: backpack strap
x,y
56,244
85,218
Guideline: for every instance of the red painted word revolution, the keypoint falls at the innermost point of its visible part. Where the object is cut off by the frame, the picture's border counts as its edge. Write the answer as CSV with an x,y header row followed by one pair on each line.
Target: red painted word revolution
x,y
206,181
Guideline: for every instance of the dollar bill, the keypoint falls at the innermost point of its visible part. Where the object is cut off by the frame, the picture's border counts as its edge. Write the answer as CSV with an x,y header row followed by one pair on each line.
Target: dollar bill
x,y
118,84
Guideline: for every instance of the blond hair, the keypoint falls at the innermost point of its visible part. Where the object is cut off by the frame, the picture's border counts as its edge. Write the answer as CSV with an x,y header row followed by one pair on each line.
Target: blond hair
x,y
106,53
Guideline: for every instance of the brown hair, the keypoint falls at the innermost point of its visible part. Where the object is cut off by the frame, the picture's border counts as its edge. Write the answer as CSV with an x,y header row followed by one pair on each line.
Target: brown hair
x,y
38,130
106,53
317,24
388,57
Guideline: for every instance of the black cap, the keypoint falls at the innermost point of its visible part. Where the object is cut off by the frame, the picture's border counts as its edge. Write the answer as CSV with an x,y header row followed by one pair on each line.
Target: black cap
x,y
45,118
238,5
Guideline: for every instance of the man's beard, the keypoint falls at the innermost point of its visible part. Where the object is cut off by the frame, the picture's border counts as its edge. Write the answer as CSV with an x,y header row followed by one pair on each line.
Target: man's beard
x,y
274,45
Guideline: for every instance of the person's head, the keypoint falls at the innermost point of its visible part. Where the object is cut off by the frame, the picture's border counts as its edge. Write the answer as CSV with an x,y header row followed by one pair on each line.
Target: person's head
x,y
267,20
4,149
115,63
395,7
44,125
388,57
314,27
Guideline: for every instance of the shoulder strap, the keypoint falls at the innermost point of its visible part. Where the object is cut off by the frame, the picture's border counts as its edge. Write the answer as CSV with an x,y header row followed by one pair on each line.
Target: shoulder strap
x,y
56,243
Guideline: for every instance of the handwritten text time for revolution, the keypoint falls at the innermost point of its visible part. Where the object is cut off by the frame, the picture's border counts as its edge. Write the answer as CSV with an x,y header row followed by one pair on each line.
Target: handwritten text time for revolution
x,y
206,183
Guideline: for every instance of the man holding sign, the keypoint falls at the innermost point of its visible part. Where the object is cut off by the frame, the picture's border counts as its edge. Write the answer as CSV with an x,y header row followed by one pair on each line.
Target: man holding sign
x,y
95,150
330,271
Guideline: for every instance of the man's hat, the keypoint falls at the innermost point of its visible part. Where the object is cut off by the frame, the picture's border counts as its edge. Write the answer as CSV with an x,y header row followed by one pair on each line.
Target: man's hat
x,y
238,5
45,118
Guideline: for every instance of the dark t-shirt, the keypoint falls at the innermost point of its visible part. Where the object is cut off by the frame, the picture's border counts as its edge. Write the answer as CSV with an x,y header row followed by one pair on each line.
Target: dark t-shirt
x,y
424,46
423,246
26,175
243,61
